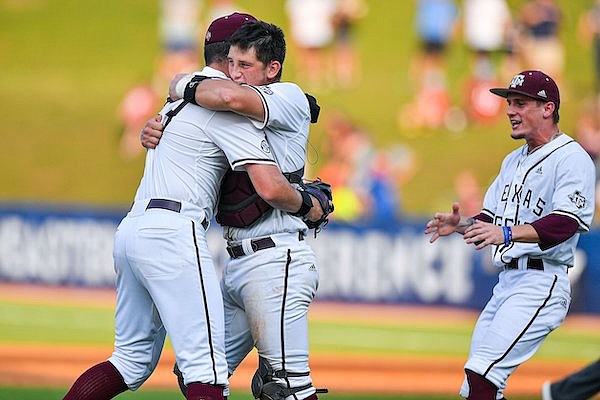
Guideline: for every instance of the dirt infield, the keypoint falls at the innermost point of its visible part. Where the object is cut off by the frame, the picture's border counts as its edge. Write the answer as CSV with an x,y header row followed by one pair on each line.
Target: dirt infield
x,y
55,365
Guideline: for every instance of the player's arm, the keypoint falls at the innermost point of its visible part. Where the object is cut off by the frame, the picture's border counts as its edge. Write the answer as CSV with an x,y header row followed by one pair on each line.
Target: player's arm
x,y
220,95
547,231
274,188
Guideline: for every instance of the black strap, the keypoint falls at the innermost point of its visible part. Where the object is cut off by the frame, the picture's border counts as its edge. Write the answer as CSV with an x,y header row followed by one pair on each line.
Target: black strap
x,y
173,112
296,176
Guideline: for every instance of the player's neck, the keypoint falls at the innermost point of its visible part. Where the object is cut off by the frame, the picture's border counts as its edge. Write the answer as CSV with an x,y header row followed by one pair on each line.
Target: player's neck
x,y
531,149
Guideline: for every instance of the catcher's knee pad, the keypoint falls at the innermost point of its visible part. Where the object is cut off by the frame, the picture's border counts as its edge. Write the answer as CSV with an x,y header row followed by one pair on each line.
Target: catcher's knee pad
x,y
265,387
479,387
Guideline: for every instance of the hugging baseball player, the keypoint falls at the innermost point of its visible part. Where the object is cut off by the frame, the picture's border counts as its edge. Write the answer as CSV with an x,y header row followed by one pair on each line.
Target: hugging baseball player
x,y
532,216
271,277
166,282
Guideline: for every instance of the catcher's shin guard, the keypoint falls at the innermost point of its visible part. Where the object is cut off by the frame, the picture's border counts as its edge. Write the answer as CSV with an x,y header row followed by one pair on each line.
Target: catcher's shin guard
x,y
264,387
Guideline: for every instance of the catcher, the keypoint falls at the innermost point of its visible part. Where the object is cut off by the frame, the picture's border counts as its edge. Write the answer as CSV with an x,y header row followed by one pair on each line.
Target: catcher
x,y
272,274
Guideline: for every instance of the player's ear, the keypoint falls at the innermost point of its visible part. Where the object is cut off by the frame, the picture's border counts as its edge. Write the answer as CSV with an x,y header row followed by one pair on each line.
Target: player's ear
x,y
273,69
549,109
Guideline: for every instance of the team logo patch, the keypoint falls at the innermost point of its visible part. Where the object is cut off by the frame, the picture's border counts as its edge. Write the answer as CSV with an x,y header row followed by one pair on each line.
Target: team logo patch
x,y
518,80
539,170
577,199
265,147
564,303
266,90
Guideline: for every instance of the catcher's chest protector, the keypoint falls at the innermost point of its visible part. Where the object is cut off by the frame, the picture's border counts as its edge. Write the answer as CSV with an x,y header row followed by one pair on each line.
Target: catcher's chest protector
x,y
239,204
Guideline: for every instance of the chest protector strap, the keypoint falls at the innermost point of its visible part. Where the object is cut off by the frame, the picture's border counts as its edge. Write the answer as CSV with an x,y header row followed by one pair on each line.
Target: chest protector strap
x,y
239,204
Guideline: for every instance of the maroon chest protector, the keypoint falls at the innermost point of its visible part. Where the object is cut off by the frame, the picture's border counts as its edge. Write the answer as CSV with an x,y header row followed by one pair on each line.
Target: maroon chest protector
x,y
239,204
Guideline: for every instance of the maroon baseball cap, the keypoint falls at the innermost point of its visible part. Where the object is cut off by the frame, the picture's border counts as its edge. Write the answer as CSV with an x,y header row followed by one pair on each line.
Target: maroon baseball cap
x,y
534,84
222,28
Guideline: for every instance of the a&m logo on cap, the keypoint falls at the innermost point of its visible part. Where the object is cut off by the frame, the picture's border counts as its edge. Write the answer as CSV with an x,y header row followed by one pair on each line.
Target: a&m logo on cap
x,y
518,80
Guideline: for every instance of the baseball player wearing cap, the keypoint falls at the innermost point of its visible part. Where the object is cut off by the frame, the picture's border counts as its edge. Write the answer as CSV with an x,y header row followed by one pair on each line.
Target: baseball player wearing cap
x,y
533,213
272,275
166,282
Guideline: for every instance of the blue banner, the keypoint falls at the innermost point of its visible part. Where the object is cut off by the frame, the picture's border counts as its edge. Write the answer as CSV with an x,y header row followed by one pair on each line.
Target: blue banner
x,y
378,263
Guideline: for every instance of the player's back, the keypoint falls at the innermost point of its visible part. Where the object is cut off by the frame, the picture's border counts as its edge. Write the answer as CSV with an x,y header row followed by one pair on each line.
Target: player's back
x,y
187,165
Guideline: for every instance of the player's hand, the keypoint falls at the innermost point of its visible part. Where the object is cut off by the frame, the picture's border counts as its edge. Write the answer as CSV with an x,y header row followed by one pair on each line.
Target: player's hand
x,y
443,224
315,212
173,86
152,132
482,234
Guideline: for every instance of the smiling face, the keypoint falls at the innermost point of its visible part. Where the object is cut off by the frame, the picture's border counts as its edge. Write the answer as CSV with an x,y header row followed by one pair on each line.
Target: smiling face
x,y
244,67
529,118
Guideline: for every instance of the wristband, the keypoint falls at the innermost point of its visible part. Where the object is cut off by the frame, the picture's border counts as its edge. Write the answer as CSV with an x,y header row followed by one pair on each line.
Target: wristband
x,y
189,94
181,84
306,205
507,235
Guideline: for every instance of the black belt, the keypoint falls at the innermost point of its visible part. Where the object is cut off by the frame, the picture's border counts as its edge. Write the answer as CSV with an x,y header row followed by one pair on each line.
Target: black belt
x,y
532,263
170,205
256,244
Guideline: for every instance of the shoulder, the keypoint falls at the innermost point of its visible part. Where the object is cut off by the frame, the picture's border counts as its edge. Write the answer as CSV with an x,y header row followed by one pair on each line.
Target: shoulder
x,y
570,148
287,89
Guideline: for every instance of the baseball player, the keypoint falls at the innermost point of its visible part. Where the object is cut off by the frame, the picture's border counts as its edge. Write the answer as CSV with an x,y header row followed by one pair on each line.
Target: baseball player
x,y
533,213
272,275
580,385
166,282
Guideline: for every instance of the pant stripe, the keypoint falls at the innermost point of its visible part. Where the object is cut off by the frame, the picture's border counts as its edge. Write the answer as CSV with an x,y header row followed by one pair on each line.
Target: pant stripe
x,y
525,329
206,313
283,308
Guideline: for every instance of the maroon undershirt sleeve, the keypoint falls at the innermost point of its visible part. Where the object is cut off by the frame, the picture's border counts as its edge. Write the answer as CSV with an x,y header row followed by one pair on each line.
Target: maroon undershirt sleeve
x,y
554,229
483,217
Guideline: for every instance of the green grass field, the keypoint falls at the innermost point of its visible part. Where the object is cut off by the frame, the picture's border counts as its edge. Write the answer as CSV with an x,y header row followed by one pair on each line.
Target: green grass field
x,y
66,65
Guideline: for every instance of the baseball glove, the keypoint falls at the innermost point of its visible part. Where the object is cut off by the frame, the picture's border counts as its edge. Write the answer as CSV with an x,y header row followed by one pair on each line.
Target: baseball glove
x,y
322,192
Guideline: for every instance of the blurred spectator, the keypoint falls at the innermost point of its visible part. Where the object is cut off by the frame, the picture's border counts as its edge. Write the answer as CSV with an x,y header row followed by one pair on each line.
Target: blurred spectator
x,y
588,136
540,45
139,104
219,8
346,62
589,31
366,182
312,32
179,29
436,21
486,26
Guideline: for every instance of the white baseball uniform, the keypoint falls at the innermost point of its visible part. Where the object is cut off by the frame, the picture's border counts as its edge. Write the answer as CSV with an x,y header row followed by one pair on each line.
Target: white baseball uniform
x,y
272,277
166,280
532,296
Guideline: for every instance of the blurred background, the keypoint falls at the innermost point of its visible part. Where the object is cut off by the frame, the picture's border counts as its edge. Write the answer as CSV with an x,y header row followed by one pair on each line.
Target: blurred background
x,y
403,101
407,126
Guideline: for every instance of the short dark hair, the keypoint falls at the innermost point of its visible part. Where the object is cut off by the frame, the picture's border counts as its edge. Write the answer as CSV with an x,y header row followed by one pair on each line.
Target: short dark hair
x,y
216,52
267,40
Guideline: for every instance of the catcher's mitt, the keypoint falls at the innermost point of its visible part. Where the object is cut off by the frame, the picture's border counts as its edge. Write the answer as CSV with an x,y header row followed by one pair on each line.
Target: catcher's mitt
x,y
322,192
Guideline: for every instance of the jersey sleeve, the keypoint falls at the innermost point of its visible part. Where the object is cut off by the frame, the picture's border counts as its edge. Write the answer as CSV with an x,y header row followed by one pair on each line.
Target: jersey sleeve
x,y
574,195
286,107
241,142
